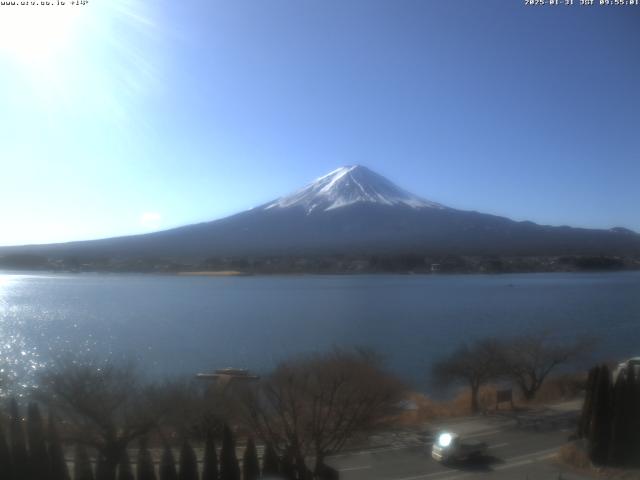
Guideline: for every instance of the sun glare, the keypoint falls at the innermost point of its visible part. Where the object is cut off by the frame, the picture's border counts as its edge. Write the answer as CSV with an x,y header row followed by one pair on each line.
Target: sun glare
x,y
91,57
35,35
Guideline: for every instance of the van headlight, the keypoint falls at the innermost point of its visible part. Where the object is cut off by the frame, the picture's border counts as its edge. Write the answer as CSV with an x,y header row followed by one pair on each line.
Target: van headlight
x,y
444,439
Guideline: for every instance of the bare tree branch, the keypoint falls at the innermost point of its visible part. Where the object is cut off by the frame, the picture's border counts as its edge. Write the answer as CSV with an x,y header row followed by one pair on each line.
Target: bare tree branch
x,y
315,404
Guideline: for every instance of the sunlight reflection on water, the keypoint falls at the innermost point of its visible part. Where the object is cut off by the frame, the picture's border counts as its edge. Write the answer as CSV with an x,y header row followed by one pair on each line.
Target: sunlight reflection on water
x,y
181,326
20,360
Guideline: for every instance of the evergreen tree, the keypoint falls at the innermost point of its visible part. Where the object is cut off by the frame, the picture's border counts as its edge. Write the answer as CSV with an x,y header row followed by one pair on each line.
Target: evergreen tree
x,y
287,465
82,465
188,462
621,435
210,468
102,469
302,472
250,464
125,472
587,406
600,430
5,458
146,470
270,461
634,420
38,455
59,469
168,465
229,469
18,445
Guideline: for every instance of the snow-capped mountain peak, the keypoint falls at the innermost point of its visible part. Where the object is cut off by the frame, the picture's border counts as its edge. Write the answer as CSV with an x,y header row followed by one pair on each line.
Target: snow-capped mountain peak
x,y
349,185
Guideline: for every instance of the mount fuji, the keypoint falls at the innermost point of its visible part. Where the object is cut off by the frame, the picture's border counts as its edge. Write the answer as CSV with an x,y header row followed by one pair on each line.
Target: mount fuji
x,y
348,186
351,210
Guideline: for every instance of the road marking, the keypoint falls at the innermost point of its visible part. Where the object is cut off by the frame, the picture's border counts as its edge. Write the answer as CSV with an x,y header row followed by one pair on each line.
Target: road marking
x,y
499,445
376,450
533,454
428,475
350,469
408,447
509,463
482,434
524,462
462,475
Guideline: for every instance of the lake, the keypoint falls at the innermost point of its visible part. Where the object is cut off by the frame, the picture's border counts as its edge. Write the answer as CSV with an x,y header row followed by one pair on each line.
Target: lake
x,y
177,325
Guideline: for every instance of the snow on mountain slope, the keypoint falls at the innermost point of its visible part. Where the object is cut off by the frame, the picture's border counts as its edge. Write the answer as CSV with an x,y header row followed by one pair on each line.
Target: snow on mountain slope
x,y
346,186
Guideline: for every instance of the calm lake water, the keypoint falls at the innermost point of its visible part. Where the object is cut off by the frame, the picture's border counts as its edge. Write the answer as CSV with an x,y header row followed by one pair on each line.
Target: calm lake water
x,y
192,324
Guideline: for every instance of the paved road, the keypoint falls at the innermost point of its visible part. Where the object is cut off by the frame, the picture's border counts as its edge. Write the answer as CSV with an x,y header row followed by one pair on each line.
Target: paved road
x,y
520,447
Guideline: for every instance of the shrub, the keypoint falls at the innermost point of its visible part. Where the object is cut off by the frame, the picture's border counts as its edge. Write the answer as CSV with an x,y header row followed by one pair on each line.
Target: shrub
x,y
82,465
125,472
210,468
168,465
5,457
145,463
59,470
270,461
18,445
229,469
38,455
250,465
188,463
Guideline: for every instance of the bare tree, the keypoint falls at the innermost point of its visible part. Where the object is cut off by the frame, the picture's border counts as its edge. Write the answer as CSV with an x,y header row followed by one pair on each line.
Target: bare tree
x,y
473,365
190,408
529,359
315,404
104,406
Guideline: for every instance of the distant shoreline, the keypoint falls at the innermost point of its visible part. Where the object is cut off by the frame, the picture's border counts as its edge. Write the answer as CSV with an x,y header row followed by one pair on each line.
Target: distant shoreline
x,y
213,273
237,274
403,264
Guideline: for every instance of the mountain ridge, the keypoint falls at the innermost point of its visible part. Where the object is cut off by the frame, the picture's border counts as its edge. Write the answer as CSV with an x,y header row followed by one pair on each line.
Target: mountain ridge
x,y
351,210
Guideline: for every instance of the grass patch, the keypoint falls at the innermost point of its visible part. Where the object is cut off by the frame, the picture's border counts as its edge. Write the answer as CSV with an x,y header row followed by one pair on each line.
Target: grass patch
x,y
560,388
556,389
427,409
575,456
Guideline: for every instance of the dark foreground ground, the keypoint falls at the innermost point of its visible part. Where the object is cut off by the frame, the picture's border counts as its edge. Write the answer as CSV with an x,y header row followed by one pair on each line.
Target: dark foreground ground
x,y
521,446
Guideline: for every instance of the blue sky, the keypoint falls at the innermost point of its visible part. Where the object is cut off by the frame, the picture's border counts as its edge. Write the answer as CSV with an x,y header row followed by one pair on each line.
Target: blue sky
x,y
124,116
